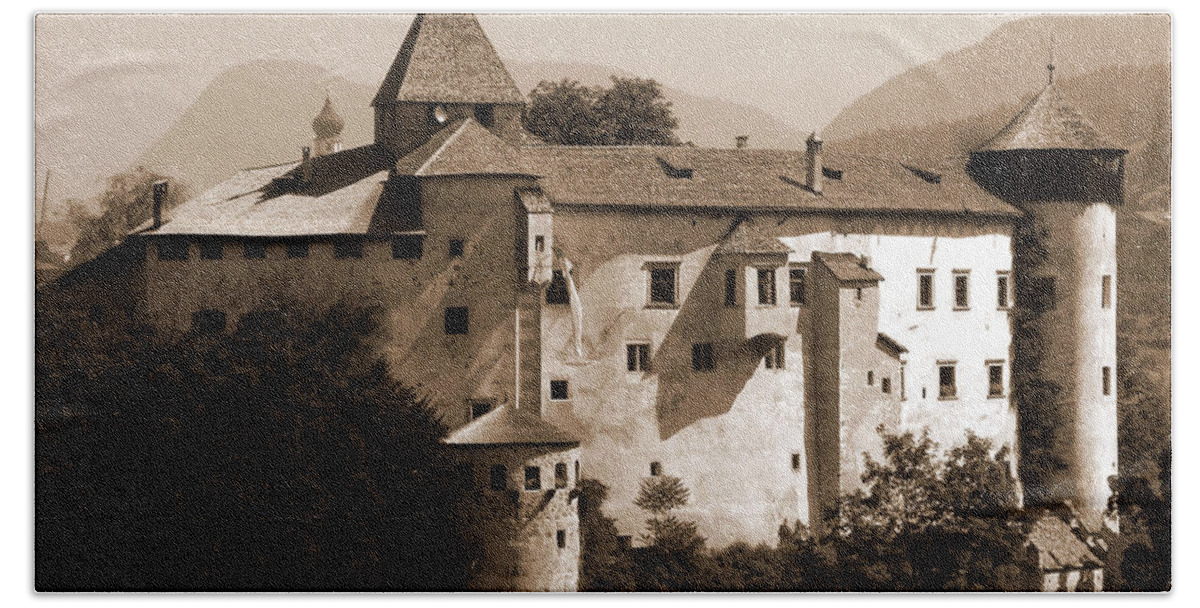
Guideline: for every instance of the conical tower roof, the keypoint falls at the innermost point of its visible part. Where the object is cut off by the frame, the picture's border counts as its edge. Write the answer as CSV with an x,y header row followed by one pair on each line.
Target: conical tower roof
x,y
447,58
1048,123
328,123
508,426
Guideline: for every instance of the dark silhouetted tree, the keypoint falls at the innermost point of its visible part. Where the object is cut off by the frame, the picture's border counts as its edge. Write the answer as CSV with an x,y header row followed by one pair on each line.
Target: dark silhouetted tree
x,y
632,111
126,203
604,565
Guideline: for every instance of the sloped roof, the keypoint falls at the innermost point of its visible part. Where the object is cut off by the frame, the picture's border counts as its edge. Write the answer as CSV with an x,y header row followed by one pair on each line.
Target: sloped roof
x,y
1047,123
659,177
889,344
340,198
1057,546
507,426
463,147
746,239
447,58
846,266
534,200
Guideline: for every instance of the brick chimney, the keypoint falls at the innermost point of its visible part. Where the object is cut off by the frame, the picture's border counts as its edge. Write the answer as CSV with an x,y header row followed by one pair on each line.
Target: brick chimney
x,y
159,192
742,140
814,164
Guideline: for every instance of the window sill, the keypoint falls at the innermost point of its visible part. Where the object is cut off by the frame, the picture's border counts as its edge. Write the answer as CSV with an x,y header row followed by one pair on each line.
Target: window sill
x,y
762,306
926,308
662,306
797,304
997,396
949,398
961,308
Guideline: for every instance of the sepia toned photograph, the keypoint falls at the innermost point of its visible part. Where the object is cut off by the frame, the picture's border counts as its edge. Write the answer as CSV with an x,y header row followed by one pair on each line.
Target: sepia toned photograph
x,y
532,302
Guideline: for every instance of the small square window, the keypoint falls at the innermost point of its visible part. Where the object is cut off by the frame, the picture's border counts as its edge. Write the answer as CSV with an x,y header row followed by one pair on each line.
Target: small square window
x,y
499,479
663,285
212,250
885,385
254,250
655,469
731,287
995,380
559,390
561,539
348,248
1106,380
870,378
560,475
775,358
172,250
456,248
539,243
702,357
796,462
557,291
407,247
766,286
796,286
1106,291
457,321
533,479
637,357
947,382
962,282
925,289
297,250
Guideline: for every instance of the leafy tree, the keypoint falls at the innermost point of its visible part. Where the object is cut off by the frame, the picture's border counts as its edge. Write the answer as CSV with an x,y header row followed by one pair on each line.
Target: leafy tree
x,y
126,203
282,455
1145,554
675,555
631,111
603,564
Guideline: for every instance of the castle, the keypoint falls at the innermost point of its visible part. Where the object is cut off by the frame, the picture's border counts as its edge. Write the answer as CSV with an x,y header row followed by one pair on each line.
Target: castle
x,y
742,319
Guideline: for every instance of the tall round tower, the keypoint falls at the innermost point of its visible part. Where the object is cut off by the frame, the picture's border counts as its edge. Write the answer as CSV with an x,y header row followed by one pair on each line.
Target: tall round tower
x,y
519,502
1055,166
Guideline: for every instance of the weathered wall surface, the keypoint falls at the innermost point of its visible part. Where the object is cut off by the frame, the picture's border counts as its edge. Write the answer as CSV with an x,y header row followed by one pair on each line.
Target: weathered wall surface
x,y
404,126
729,434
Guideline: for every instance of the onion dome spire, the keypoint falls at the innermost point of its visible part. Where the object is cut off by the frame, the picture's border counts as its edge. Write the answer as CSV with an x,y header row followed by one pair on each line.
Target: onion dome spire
x,y
328,123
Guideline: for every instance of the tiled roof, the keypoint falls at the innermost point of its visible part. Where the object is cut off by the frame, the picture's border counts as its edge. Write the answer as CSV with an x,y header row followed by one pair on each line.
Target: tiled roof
x,y
888,343
1057,546
447,58
746,239
463,147
507,426
1047,123
687,177
340,198
846,266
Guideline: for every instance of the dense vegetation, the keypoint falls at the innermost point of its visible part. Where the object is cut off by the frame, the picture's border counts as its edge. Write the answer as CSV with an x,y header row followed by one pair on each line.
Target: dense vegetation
x,y
630,112
279,456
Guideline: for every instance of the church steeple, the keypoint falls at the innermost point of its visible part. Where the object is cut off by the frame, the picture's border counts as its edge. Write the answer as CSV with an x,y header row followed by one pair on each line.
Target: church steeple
x,y
446,70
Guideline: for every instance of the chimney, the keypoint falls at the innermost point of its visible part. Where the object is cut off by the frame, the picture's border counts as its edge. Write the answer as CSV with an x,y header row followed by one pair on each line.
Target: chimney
x,y
742,140
305,165
159,190
815,165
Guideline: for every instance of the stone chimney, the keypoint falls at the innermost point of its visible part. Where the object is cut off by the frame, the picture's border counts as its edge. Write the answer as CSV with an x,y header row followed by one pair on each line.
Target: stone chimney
x,y
742,140
159,192
814,164
305,165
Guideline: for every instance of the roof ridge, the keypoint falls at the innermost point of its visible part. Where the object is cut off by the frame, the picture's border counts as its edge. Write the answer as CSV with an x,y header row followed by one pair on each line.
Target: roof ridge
x,y
457,131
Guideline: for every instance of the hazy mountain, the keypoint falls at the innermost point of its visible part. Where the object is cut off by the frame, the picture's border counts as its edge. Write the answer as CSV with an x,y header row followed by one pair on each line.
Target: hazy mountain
x,y
1004,67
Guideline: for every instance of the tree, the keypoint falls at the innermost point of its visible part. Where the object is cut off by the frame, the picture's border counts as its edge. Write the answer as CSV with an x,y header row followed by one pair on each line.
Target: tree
x,y
673,559
126,203
282,455
603,564
632,111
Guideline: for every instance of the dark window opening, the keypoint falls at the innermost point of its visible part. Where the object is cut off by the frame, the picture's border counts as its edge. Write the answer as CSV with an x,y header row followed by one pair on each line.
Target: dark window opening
x,y
559,390
947,385
212,250
208,322
903,396
1106,380
348,248
254,250
561,538
485,114
655,469
774,358
662,286
1106,291
560,475
457,322
407,247
480,407
533,479
766,286
172,250
577,472
731,287
995,380
961,284
499,477
297,250
456,248
539,243
637,357
885,385
796,293
557,291
795,462
870,378
858,293
1002,291
925,298
702,357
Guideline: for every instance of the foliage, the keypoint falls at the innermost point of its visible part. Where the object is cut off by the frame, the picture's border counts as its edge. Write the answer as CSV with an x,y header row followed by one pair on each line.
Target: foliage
x,y
282,455
1145,554
603,564
631,111
126,203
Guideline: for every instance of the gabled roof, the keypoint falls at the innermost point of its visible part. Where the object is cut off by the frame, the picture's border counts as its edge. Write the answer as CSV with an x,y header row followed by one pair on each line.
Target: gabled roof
x,y
746,239
507,426
1058,547
846,266
447,58
664,177
340,197
1047,123
463,147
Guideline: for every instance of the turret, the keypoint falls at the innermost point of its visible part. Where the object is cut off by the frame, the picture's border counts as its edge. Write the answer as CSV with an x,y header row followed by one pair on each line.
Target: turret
x,y
1056,166
327,128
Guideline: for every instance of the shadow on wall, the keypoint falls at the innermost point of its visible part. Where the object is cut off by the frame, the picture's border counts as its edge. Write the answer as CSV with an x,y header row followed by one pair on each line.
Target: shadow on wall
x,y
686,394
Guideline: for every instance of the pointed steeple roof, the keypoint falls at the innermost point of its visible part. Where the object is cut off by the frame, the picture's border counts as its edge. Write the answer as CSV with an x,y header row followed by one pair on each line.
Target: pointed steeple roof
x,y
447,58
507,426
463,147
1048,123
